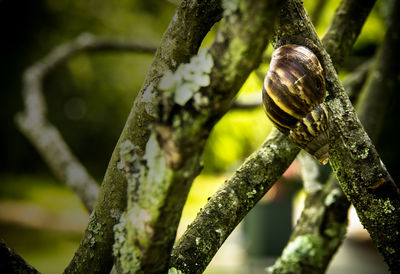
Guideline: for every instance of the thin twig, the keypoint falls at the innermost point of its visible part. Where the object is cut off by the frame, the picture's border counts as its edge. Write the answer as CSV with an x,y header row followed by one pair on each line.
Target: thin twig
x,y
45,136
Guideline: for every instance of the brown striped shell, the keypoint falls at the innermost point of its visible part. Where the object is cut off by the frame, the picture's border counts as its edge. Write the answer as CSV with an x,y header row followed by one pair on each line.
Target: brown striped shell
x,y
293,95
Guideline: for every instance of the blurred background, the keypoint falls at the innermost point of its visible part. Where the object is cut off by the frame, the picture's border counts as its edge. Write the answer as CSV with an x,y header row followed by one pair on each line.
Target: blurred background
x,y
89,98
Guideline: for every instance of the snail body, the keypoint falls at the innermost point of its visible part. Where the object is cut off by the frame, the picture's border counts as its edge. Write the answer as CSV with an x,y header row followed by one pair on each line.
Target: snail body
x,y
293,95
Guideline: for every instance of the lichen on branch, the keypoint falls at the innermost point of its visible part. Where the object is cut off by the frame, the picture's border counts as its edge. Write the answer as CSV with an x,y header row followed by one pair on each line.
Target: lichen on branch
x,y
354,159
191,22
195,96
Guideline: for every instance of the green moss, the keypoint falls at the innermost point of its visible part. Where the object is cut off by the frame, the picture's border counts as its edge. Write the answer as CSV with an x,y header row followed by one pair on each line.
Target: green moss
x,y
303,250
95,228
125,151
122,249
364,153
149,98
390,250
388,208
95,231
251,193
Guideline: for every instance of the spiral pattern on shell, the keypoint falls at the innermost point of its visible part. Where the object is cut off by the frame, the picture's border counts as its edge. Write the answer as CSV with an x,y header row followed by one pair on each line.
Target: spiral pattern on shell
x,y
293,94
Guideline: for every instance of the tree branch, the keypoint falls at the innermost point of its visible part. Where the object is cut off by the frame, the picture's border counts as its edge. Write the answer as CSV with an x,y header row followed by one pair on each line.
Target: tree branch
x,y
324,216
380,86
345,27
191,22
318,233
172,156
357,165
354,83
11,262
227,207
42,134
186,251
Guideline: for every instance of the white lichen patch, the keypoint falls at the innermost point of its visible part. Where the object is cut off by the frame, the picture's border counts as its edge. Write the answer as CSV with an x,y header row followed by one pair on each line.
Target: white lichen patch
x,y
273,146
126,153
309,173
332,196
141,219
155,160
115,213
188,78
149,98
303,249
119,233
200,101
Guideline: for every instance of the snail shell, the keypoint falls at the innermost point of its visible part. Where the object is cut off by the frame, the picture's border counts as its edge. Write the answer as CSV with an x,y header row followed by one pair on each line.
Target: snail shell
x,y
293,94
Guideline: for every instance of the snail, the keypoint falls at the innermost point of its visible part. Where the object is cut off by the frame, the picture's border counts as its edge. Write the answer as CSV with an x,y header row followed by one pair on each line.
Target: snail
x,y
293,95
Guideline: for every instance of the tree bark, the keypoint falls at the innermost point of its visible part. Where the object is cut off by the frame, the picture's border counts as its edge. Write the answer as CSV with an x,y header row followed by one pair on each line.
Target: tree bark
x,y
11,262
343,30
324,215
172,155
228,206
192,21
186,252
355,161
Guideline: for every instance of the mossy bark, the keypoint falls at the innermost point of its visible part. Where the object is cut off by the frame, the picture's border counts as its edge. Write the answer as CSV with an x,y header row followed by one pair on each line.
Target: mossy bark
x,y
192,21
11,262
321,229
227,207
172,156
353,157
194,251
345,27
382,80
